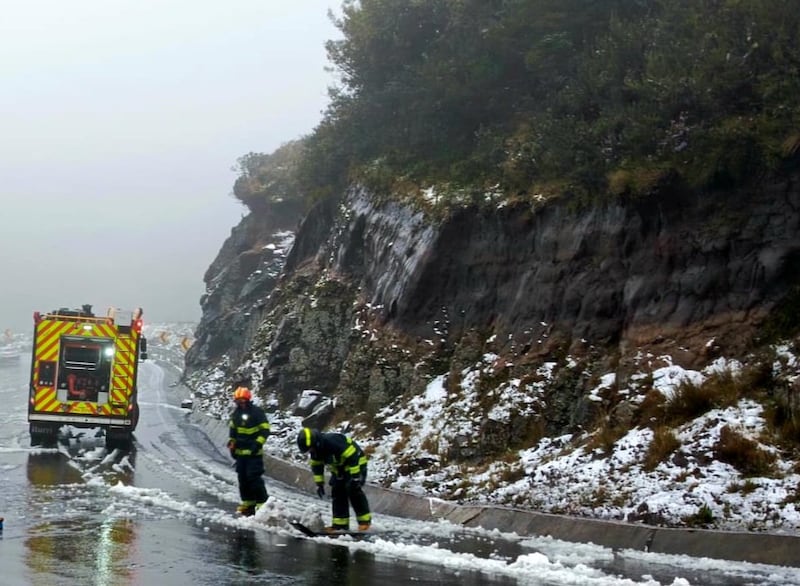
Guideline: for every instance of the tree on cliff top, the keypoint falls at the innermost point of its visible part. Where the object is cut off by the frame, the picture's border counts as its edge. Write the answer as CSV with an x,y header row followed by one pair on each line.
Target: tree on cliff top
x,y
270,181
587,96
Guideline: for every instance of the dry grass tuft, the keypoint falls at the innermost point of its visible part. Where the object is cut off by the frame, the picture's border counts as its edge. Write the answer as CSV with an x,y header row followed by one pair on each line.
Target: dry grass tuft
x,y
743,454
663,445
691,401
605,437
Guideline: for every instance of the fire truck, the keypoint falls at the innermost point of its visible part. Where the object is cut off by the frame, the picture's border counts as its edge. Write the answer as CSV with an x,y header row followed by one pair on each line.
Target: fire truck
x,y
83,374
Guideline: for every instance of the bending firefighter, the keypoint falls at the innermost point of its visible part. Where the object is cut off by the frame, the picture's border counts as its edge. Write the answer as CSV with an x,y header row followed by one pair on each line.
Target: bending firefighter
x,y
249,430
348,467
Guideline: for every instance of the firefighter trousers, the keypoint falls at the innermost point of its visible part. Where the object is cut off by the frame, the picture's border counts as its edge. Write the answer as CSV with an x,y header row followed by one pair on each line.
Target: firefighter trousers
x,y
343,495
249,469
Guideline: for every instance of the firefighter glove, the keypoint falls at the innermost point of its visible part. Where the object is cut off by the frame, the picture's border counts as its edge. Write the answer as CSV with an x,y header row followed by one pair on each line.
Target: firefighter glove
x,y
321,490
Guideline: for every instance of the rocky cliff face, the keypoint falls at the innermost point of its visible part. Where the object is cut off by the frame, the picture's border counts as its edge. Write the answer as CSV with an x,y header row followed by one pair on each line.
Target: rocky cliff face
x,y
671,273
374,299
238,284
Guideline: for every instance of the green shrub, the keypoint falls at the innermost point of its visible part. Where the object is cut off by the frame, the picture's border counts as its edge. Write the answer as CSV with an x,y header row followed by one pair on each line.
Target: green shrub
x,y
702,518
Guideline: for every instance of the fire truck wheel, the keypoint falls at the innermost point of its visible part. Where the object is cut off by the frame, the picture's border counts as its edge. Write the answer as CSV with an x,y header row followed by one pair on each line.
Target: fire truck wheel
x,y
43,435
119,439
135,417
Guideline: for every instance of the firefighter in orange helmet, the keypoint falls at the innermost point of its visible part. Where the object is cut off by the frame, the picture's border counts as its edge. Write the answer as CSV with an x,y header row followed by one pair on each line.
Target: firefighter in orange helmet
x,y
248,432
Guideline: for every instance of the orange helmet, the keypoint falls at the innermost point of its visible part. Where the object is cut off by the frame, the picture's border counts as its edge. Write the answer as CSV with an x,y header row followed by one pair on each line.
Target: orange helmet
x,y
242,394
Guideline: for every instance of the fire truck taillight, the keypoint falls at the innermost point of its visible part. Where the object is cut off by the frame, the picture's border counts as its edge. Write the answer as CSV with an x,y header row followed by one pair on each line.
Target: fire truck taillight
x,y
37,317
137,325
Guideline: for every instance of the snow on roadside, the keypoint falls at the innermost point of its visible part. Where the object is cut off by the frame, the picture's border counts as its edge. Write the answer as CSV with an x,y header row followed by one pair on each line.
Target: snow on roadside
x,y
560,474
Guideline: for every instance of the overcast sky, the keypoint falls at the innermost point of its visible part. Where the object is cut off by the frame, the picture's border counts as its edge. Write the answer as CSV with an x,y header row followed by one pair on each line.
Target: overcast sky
x,y
121,121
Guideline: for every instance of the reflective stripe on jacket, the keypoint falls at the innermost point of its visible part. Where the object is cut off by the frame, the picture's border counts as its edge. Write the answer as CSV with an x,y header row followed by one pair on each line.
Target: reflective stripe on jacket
x,y
249,430
343,456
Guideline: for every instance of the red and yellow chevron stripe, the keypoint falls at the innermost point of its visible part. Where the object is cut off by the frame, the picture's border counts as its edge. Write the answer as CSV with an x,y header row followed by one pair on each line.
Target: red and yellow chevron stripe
x,y
47,343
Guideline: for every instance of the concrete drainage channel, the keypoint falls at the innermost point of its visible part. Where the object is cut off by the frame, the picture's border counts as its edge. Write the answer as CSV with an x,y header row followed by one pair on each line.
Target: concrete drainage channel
x,y
763,548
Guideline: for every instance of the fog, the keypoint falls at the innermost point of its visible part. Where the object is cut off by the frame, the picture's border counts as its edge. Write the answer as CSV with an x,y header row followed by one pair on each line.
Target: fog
x,y
122,121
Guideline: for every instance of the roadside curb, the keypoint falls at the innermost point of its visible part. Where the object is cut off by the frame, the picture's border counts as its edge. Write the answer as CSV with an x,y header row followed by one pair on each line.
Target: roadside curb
x,y
761,548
